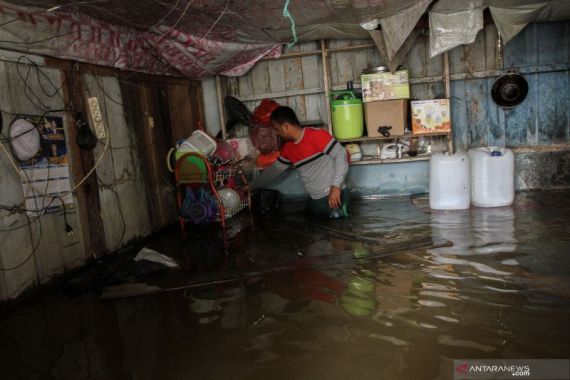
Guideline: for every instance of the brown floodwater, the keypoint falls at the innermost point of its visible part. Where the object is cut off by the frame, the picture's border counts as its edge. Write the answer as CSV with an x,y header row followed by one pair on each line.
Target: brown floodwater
x,y
396,292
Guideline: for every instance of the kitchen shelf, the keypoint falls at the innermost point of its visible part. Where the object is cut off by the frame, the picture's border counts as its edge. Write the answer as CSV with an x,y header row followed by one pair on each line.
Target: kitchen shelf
x,y
376,160
394,137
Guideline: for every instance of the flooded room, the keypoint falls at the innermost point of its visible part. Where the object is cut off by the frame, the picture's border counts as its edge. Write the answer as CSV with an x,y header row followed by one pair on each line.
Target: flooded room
x,y
324,189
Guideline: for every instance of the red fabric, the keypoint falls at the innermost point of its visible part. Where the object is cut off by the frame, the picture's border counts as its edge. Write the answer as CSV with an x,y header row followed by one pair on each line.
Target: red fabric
x,y
266,160
264,139
262,114
314,141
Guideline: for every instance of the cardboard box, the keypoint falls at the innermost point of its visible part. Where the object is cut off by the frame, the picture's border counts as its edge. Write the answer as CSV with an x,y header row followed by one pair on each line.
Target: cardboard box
x,y
385,86
391,113
430,116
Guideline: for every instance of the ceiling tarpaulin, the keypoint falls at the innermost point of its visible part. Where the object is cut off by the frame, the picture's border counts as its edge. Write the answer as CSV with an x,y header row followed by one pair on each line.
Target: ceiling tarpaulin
x,y
193,38
201,38
162,51
513,16
453,23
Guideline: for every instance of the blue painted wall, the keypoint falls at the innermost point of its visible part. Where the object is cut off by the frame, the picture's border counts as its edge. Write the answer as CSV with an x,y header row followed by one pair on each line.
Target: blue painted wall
x,y
541,52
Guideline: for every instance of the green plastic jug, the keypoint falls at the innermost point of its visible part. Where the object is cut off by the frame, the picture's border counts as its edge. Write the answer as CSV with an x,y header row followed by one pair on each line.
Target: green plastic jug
x,y
347,115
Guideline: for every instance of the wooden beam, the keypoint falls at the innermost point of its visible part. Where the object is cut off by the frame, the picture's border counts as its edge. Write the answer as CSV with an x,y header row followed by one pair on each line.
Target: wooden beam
x,y
67,65
298,54
88,203
282,94
221,107
326,84
447,83
350,48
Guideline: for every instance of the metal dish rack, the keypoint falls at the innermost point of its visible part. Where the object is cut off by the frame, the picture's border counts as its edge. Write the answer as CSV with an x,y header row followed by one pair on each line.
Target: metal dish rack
x,y
200,172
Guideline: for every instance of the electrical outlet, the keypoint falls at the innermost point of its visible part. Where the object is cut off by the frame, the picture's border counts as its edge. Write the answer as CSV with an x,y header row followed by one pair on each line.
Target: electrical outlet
x,y
96,118
150,122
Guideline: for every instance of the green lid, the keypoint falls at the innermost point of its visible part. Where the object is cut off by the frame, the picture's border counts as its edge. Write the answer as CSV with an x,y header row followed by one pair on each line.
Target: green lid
x,y
342,98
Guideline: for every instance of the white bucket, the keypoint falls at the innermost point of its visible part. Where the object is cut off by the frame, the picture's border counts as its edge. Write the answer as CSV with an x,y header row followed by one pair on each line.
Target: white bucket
x,y
199,142
449,181
492,177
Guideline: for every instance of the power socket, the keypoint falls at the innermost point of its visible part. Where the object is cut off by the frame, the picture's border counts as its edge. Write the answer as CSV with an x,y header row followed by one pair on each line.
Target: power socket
x,y
96,118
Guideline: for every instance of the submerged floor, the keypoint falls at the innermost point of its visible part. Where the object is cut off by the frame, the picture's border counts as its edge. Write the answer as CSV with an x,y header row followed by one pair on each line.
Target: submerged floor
x,y
363,299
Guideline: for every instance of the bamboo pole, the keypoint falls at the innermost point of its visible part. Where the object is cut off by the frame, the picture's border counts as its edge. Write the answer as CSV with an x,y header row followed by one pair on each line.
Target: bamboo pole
x,y
447,83
298,54
326,83
221,107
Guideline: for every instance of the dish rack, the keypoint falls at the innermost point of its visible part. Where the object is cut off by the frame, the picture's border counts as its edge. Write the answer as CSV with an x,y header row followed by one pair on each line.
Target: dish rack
x,y
194,170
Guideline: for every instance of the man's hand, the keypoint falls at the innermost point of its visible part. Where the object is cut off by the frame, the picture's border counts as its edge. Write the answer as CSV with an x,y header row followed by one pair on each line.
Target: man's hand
x,y
334,197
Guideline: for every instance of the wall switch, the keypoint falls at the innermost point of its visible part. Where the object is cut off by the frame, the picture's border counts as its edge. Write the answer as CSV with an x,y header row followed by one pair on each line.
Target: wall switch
x,y
96,118
150,122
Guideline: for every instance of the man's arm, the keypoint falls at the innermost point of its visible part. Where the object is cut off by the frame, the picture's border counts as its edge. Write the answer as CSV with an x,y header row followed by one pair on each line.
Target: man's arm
x,y
340,169
340,166
269,174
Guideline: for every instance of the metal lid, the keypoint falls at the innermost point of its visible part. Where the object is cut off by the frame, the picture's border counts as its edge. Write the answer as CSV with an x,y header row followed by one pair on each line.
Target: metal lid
x,y
376,69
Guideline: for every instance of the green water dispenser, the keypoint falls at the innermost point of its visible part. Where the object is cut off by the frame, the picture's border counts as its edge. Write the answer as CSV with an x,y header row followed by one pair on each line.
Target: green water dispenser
x,y
347,115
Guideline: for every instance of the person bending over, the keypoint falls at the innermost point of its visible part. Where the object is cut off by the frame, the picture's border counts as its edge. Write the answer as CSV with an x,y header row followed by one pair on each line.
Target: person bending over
x,y
322,163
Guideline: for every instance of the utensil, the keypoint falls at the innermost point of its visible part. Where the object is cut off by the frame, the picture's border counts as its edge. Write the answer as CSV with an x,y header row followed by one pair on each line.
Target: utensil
x,y
509,90
230,198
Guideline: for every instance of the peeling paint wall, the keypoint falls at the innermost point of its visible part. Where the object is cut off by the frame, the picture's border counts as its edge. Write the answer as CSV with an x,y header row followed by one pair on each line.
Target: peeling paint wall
x,y
541,53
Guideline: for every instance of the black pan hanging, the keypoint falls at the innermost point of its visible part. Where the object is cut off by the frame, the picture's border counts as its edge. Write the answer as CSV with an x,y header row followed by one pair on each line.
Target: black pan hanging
x,y
509,90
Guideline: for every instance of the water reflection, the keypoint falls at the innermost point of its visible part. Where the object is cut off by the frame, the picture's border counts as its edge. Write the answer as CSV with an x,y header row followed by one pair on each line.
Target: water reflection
x,y
357,303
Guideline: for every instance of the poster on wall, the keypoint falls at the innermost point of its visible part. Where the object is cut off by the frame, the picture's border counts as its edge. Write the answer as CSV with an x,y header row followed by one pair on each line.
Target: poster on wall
x,y
45,180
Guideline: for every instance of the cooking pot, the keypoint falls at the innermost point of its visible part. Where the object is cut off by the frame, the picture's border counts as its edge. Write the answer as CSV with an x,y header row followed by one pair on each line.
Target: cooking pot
x,y
509,90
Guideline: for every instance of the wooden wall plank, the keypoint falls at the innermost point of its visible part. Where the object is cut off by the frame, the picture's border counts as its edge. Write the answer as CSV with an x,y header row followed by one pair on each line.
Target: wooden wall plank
x,y
553,46
474,54
457,60
245,86
552,107
312,78
435,64
416,60
426,91
460,125
361,59
494,116
341,70
520,122
491,36
293,70
260,78
522,50
232,84
277,76
475,99
81,162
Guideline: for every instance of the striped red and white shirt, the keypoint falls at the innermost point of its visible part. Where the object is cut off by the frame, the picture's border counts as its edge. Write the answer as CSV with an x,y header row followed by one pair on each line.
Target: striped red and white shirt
x,y
322,162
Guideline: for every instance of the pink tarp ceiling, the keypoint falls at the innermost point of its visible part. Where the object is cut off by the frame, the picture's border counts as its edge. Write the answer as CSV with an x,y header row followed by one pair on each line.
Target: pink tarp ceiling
x,y
201,38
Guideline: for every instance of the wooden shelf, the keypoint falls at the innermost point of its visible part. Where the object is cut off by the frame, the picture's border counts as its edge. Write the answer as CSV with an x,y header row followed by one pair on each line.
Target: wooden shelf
x,y
394,137
377,161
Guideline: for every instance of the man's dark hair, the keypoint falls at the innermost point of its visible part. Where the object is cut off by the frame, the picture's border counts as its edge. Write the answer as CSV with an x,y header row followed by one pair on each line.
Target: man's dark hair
x,y
283,114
